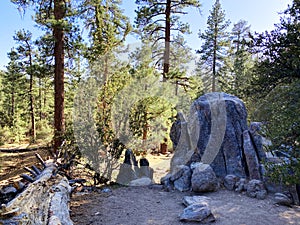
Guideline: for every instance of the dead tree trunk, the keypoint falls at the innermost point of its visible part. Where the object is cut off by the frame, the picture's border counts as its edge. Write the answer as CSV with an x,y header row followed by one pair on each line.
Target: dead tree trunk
x,y
45,201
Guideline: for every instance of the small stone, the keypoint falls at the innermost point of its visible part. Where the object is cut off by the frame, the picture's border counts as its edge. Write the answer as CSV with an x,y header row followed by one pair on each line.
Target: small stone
x,y
241,185
230,181
106,190
262,194
197,213
256,189
283,199
166,182
183,182
191,200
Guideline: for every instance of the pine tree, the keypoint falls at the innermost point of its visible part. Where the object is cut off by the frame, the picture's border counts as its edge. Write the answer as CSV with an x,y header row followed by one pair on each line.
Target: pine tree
x,y
215,40
53,15
158,20
237,68
277,87
13,81
27,57
279,52
108,26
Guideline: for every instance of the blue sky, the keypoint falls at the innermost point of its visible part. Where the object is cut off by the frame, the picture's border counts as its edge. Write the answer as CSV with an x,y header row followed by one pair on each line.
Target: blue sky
x,y
260,14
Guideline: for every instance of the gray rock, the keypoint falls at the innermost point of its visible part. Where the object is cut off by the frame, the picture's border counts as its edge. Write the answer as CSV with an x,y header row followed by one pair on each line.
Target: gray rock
x,y
283,199
241,185
126,174
145,170
254,128
144,181
230,182
256,189
106,190
251,157
166,182
204,179
262,194
220,116
182,179
130,158
197,213
191,200
180,137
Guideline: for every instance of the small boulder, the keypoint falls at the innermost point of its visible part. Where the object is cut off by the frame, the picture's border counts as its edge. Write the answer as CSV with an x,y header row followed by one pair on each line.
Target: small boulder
x,y
256,189
145,170
230,182
166,182
204,178
197,213
182,178
191,200
241,185
126,174
283,199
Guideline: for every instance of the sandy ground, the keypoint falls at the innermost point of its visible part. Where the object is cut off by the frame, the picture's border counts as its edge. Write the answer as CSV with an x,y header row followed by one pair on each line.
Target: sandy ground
x,y
152,205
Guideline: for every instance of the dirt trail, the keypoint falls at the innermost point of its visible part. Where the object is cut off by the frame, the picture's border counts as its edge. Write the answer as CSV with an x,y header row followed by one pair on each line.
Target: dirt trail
x,y
153,206
146,205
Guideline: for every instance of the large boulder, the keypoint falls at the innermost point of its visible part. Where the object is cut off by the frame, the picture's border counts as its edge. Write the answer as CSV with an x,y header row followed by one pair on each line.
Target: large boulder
x,y
218,135
219,122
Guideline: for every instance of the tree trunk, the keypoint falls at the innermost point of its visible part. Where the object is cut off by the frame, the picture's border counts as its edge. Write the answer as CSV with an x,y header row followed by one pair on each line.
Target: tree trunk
x,y
167,41
145,127
45,201
58,33
31,99
12,107
40,98
213,89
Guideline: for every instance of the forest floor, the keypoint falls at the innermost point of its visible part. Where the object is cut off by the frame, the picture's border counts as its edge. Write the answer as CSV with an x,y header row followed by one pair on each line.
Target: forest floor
x,y
151,205
13,159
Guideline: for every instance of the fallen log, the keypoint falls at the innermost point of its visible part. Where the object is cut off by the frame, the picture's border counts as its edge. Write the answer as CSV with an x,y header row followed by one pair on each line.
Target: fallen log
x,y
44,201
20,150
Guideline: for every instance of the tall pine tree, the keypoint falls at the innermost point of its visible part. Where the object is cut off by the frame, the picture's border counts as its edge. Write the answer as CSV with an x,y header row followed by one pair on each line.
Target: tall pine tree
x,y
159,21
27,57
52,14
215,39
